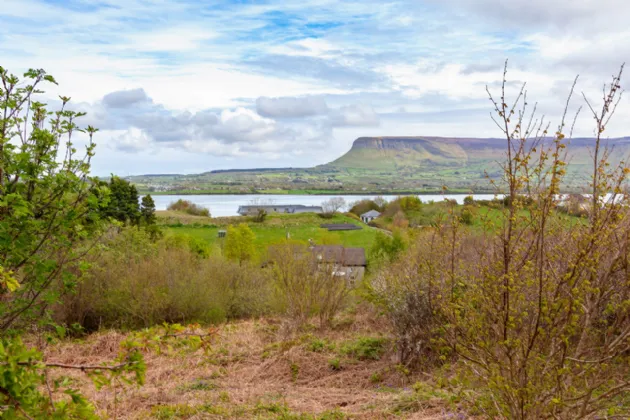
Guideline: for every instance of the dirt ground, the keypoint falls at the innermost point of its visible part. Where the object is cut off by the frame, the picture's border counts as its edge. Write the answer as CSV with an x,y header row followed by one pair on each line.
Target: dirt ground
x,y
254,370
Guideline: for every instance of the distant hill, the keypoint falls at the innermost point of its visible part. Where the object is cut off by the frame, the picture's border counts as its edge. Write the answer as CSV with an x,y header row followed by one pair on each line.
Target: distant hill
x,y
393,153
386,165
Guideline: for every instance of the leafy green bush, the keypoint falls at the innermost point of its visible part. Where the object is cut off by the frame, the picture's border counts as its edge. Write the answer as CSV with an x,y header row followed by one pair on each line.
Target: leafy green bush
x,y
365,348
335,364
319,345
387,248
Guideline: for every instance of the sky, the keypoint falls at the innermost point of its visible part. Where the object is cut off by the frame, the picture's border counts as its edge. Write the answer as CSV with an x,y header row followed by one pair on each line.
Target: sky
x,y
183,86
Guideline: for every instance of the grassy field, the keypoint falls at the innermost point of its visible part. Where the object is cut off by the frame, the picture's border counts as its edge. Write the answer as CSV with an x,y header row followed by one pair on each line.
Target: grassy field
x,y
274,229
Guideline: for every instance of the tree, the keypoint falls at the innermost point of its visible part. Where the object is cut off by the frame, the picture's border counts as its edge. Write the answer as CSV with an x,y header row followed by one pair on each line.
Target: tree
x,y
239,243
49,210
49,219
147,210
363,206
124,203
333,205
260,216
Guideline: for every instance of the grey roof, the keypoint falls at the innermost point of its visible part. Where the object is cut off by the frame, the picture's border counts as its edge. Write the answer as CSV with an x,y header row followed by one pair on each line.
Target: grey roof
x,y
353,257
271,206
371,213
280,207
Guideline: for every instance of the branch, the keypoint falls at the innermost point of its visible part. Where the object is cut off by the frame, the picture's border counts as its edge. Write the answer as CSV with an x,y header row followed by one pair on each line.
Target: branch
x,y
78,367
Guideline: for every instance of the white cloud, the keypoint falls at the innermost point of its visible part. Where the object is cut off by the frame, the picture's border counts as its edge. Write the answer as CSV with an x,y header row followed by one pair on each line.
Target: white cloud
x,y
291,107
298,80
354,116
132,140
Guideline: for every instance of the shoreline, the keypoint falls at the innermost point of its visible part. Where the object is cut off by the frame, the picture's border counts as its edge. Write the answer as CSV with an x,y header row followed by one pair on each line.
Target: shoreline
x,y
323,193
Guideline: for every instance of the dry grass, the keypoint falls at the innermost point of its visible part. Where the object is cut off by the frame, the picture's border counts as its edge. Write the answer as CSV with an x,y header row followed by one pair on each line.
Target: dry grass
x,y
254,370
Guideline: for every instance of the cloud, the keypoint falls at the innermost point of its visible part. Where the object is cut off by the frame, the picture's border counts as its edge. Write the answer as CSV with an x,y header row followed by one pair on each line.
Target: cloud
x,y
567,15
291,107
125,98
133,140
354,116
316,68
279,80
236,132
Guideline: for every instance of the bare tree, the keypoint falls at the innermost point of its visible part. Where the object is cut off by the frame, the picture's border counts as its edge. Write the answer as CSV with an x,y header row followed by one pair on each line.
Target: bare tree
x,y
333,205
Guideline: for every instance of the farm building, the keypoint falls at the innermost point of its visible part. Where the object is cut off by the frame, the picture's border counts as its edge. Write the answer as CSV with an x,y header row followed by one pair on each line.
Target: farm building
x,y
348,263
278,208
369,216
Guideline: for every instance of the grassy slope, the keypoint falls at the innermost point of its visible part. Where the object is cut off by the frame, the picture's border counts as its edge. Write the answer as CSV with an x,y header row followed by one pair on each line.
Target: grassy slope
x,y
252,371
393,160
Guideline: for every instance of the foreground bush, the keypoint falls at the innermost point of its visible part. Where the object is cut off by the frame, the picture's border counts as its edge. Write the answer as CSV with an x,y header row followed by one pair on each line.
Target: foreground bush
x,y
305,285
133,282
535,311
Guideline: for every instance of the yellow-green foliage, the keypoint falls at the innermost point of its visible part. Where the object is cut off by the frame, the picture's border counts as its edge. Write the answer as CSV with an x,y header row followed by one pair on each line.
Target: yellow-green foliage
x,y
239,244
134,282
533,312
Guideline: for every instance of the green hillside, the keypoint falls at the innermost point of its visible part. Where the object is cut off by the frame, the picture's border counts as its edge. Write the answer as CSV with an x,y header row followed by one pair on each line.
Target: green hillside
x,y
393,153
382,165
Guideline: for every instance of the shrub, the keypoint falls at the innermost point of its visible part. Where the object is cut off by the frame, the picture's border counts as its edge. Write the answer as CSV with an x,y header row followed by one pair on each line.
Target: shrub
x,y
134,282
305,287
387,248
467,217
319,345
535,311
260,216
188,207
335,364
365,348
400,221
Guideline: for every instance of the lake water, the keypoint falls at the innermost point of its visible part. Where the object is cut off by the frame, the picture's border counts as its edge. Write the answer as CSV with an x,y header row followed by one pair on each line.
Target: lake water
x,y
227,205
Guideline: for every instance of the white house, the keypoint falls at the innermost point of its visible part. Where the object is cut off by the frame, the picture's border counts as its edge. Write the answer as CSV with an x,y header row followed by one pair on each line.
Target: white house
x,y
369,216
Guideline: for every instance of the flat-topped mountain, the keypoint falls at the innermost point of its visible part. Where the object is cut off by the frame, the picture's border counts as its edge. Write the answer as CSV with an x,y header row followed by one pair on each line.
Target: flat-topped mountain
x,y
393,153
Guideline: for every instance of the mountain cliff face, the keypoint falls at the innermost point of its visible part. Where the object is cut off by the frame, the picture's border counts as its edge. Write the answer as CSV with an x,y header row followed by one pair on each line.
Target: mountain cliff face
x,y
392,153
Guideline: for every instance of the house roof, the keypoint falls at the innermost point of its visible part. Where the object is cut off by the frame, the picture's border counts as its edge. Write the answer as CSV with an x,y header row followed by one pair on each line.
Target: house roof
x,y
371,213
337,254
271,206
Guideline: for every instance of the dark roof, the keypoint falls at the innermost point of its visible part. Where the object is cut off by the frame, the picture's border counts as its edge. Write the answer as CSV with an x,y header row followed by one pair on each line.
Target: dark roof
x,y
354,257
340,226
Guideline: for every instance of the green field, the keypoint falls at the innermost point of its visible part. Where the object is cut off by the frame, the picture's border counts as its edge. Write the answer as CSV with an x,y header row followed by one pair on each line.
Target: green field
x,y
274,229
